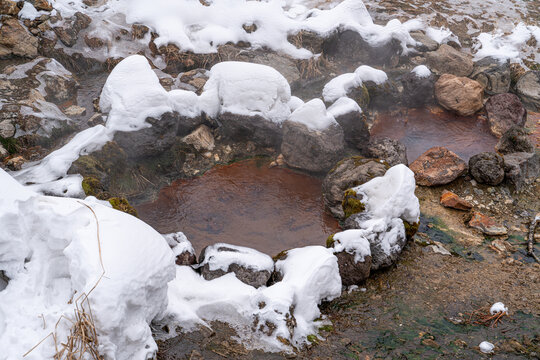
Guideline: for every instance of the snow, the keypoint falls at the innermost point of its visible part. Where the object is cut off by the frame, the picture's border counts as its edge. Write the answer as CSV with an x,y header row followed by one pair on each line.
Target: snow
x,y
421,71
441,35
295,103
313,114
179,243
339,86
220,256
28,11
344,105
486,347
504,47
354,242
51,252
498,307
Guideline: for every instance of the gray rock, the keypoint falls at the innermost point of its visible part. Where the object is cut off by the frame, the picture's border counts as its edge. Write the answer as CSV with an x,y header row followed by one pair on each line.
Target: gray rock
x,y
494,75
417,91
425,43
521,168
447,60
487,168
348,173
7,129
3,152
182,249
351,272
385,95
515,140
355,128
312,150
528,89
389,150
504,111
255,128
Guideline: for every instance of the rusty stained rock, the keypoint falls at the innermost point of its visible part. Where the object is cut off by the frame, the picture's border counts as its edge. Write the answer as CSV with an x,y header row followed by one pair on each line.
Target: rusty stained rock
x,y
438,166
452,200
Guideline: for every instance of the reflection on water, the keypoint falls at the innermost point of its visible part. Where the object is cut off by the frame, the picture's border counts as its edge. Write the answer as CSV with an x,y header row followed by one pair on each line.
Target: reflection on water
x,y
246,203
422,129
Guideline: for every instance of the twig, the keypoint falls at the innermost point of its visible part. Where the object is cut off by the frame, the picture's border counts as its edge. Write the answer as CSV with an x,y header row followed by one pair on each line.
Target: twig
x,y
530,242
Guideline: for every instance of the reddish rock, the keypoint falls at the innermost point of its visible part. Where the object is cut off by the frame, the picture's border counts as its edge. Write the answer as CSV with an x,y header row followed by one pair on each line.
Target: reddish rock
x,y
459,94
505,111
438,166
486,224
451,200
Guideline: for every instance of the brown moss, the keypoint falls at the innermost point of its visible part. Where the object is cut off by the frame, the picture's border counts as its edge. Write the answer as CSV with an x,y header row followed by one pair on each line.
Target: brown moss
x,y
351,204
92,186
281,256
410,229
121,203
330,241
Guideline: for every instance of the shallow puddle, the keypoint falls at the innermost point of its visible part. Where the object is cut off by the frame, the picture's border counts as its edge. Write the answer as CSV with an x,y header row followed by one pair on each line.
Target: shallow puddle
x,y
422,129
246,203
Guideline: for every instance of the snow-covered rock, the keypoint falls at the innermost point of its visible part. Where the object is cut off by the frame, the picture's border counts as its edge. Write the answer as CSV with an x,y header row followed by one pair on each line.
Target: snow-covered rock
x,y
352,249
349,116
182,248
56,250
341,85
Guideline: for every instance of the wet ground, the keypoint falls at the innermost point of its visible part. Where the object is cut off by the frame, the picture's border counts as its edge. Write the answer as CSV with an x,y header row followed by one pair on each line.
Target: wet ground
x,y
246,203
422,129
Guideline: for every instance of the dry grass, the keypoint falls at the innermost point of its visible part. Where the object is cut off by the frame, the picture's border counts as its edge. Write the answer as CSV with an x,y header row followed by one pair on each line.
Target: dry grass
x,y
82,341
483,316
312,67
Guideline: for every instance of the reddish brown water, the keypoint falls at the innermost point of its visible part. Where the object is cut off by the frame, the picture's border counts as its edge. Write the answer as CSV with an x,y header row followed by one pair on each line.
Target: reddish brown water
x,y
422,129
246,203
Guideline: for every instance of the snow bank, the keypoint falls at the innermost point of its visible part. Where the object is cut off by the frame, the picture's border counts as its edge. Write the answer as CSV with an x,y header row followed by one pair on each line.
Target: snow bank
x,y
339,86
313,114
354,242
421,71
49,250
218,259
310,275
504,47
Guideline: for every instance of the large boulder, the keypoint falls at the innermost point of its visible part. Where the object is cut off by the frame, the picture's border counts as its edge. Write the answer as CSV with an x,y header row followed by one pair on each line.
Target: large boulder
x,y
353,252
493,75
255,128
353,122
312,139
418,87
515,140
459,94
505,111
389,150
250,266
15,40
348,173
447,60
528,89
438,166
487,168
521,168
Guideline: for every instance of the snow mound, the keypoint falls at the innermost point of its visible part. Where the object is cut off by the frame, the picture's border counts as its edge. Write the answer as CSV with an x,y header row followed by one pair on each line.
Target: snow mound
x,y
313,114
339,86
52,256
344,105
421,71
218,259
354,242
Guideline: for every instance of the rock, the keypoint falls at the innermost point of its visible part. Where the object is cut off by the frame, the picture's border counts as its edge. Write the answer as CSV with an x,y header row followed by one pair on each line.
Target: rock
x,y
196,79
138,31
41,5
312,150
96,119
447,60
9,7
438,166
15,163
201,139
69,31
255,128
182,249
75,111
349,172
438,248
349,46
250,266
459,94
7,129
15,40
493,75
349,116
521,168
505,111
451,200
486,225
528,89
3,152
417,91
424,42
487,168
515,140
59,88
383,96
389,150
354,255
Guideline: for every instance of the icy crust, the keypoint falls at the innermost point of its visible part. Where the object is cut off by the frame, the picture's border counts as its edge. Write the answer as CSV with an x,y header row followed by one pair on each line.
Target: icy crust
x,y
240,255
339,86
421,71
313,114
49,250
354,242
288,309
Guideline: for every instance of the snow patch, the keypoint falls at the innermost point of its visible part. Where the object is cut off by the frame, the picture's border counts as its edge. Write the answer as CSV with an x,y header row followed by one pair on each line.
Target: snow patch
x,y
421,71
313,114
498,307
344,105
354,242
220,256
486,347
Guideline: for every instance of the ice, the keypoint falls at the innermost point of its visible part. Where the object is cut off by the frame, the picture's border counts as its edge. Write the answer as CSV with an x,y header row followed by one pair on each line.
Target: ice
x,y
53,252
421,71
339,86
313,114
498,307
354,242
344,105
486,347
218,259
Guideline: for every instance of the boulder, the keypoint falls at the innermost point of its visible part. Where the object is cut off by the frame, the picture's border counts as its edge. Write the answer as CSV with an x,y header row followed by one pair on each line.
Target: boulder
x,y
459,94
514,140
447,60
486,225
521,168
182,248
417,91
7,129
250,266
389,150
383,95
451,200
487,168
349,172
423,42
255,128
528,89
353,122
438,166
493,75
505,111
353,252
15,40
